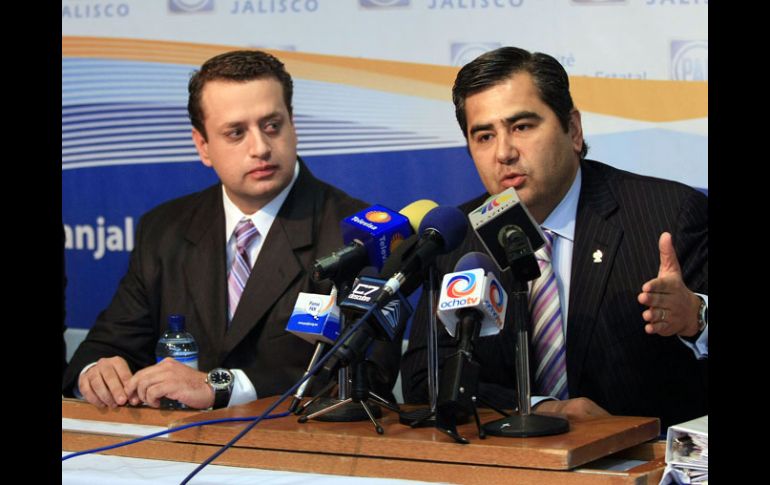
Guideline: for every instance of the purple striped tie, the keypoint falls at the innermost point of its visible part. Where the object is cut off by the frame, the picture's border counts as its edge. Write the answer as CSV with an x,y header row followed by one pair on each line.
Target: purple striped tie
x,y
547,331
245,233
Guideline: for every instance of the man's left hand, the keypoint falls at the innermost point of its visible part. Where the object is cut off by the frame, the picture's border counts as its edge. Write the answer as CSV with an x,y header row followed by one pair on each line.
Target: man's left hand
x,y
673,308
173,380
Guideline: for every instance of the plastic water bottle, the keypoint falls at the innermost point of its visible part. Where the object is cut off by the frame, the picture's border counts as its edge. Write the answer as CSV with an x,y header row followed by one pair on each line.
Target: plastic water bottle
x,y
180,345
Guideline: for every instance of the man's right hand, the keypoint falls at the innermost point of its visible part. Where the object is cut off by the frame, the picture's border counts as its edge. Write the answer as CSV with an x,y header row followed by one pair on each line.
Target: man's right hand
x,y
104,383
577,408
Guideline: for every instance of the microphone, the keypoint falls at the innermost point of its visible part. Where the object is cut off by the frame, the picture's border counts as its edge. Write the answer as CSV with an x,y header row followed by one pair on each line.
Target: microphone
x,y
472,304
416,212
442,230
370,236
315,319
473,289
498,223
387,323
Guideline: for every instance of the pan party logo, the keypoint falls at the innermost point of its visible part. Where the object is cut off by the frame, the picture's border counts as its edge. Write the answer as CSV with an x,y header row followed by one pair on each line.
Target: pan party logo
x,y
464,52
190,6
374,4
689,60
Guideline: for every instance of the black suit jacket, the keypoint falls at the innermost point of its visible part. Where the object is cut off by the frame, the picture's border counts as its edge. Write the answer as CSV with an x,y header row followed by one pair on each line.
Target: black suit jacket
x,y
610,359
179,266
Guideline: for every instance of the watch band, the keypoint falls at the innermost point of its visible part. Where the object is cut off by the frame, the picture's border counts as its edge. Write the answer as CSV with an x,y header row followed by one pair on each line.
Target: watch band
x,y
221,398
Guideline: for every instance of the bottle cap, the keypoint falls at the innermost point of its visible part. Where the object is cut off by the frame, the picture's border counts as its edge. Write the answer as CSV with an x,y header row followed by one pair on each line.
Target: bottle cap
x,y
176,323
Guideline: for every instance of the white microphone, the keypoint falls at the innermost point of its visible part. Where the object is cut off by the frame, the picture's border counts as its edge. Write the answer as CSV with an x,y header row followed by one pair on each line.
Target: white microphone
x,y
315,319
478,290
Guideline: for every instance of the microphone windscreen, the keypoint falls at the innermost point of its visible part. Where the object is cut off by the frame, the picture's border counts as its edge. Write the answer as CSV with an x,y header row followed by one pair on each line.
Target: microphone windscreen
x,y
448,221
416,212
476,259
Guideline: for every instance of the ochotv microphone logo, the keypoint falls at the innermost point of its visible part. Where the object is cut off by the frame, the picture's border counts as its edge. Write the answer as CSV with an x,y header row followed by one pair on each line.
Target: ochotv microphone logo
x,y
461,285
459,291
496,296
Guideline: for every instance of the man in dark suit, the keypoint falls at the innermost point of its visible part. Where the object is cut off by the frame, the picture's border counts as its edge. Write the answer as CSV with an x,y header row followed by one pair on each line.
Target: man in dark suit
x,y
628,254
241,112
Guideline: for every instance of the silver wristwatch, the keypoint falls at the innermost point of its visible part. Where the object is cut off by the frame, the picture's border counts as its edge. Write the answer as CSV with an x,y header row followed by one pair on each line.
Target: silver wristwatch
x,y
703,315
221,381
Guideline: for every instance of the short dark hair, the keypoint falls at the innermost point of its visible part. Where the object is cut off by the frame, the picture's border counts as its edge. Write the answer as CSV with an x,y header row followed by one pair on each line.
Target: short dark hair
x,y
494,67
238,66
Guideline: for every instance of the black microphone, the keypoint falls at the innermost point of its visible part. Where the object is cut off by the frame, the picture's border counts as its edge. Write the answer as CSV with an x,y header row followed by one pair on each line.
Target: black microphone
x,y
442,230
499,223
370,236
386,323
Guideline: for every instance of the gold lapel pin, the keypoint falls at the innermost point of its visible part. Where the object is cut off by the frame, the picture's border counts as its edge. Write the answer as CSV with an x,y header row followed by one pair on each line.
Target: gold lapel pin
x,y
598,256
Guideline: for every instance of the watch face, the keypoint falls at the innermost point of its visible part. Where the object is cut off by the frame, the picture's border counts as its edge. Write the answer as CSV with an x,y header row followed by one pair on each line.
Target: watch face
x,y
220,378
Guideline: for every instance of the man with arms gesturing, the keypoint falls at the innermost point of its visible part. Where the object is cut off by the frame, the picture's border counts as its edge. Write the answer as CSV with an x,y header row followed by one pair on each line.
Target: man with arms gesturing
x,y
628,253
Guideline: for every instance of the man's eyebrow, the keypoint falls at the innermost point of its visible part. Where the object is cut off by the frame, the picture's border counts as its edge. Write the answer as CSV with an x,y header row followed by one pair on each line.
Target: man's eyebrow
x,y
270,116
522,115
477,128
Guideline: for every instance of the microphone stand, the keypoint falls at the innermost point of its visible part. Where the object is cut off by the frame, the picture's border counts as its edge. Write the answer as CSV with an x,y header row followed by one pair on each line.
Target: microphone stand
x,y
319,400
352,394
460,379
432,341
341,408
360,396
426,417
295,402
522,424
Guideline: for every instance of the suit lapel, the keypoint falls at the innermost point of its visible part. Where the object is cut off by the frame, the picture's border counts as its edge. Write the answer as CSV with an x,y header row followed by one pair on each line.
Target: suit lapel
x,y
596,244
206,274
277,265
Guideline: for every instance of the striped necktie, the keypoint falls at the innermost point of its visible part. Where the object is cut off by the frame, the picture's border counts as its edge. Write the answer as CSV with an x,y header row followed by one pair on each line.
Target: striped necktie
x,y
547,330
245,233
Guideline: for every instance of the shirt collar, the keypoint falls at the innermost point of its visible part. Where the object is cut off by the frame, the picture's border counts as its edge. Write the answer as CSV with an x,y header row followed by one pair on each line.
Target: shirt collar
x,y
264,217
561,220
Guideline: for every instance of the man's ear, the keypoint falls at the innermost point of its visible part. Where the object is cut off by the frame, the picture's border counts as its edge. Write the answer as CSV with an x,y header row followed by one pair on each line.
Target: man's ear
x,y
576,130
202,146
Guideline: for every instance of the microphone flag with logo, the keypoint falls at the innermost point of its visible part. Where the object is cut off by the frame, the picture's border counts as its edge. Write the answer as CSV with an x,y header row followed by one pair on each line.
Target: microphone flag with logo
x,y
315,318
477,288
497,218
386,323
370,236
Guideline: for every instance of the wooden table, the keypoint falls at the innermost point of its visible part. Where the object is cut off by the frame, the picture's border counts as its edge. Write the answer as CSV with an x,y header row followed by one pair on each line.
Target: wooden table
x,y
355,449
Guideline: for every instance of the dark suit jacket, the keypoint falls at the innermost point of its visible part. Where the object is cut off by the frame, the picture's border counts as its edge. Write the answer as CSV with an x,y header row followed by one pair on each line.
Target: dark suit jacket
x,y
610,359
63,307
179,266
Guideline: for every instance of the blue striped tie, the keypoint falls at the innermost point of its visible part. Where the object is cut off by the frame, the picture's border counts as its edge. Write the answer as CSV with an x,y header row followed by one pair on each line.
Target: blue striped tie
x,y
547,329
245,233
